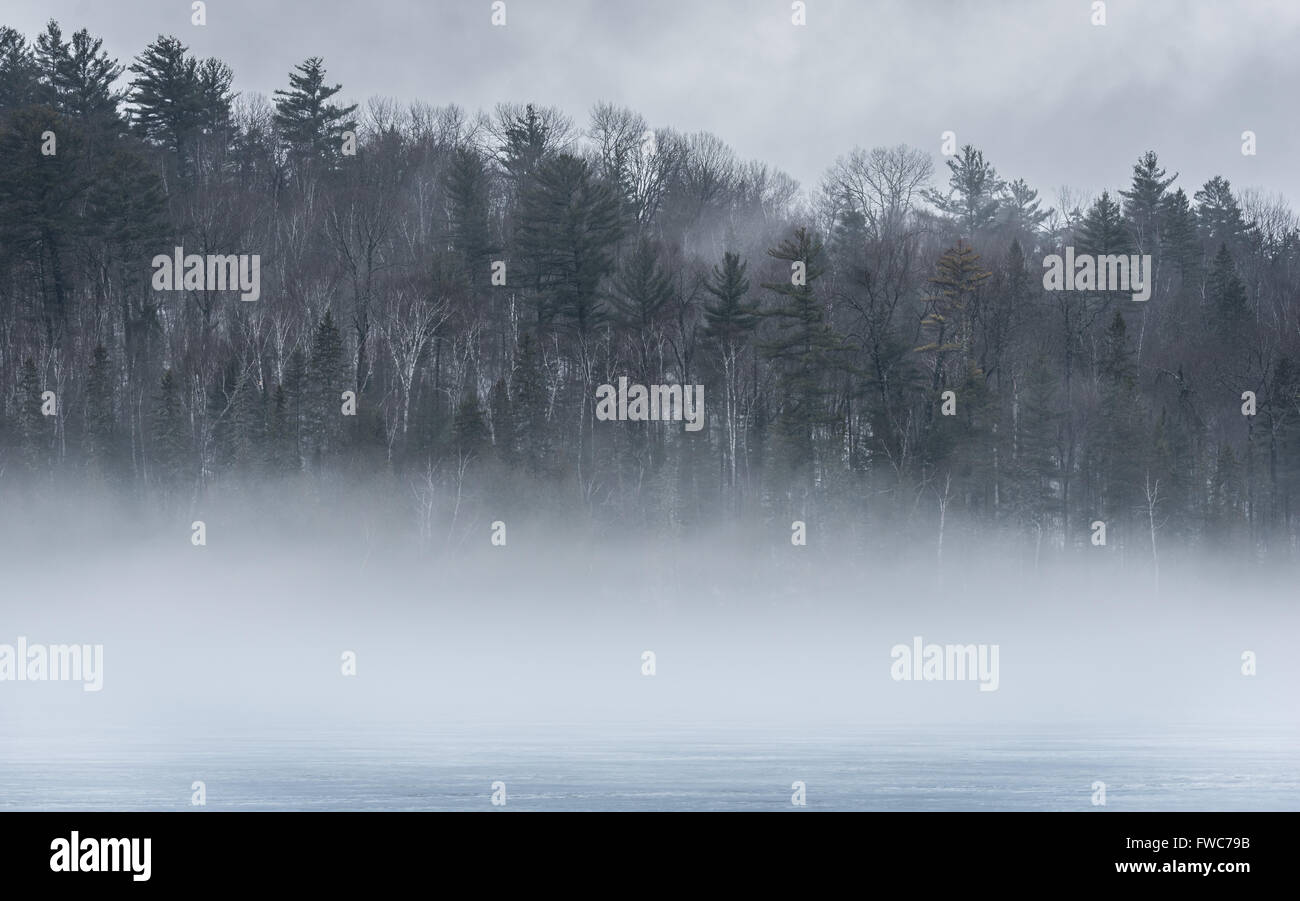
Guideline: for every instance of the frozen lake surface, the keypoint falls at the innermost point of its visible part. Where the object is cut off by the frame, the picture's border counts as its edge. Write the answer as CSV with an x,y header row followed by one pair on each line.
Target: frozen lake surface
x,y
585,768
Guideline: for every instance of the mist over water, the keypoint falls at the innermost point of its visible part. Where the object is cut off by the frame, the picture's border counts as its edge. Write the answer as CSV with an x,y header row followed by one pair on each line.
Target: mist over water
x,y
524,663
625,439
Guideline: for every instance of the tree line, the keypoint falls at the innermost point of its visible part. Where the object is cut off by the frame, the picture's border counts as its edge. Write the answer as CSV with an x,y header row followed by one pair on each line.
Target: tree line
x,y
471,279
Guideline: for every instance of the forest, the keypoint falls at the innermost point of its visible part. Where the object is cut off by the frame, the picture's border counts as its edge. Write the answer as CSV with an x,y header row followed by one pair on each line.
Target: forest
x,y
472,277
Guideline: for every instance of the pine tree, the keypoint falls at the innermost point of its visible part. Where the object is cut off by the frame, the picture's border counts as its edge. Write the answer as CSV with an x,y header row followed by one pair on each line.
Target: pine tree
x,y
641,288
126,219
570,224
170,444
1103,230
212,85
32,428
640,295
529,404
1180,243
528,138
19,83
469,430
568,232
326,381
468,191
729,319
1229,310
79,80
974,192
296,405
1005,313
849,239
804,347
1226,501
281,455
1219,214
311,126
40,204
234,411
1035,466
100,416
1120,441
164,94
1281,408
1020,209
502,419
730,322
947,325
48,52
1170,463
1144,203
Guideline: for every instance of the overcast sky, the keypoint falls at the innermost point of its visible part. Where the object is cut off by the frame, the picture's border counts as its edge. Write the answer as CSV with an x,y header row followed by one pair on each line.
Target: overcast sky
x,y
1045,94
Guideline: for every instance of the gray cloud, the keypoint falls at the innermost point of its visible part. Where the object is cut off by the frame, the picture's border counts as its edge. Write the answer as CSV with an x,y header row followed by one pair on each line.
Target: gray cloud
x,y
1047,96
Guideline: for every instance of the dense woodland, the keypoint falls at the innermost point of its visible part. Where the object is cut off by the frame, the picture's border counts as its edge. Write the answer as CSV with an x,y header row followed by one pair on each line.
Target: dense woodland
x,y
664,257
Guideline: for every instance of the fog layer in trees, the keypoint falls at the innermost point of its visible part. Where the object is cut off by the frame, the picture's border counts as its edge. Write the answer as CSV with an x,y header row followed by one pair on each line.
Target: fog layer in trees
x,y
472,279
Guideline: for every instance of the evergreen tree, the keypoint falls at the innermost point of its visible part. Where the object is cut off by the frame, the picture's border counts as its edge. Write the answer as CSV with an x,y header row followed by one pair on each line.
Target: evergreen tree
x,y
849,238
1119,450
1019,209
1281,408
529,404
1103,230
974,192
39,206
640,296
18,70
1005,313
100,415
1229,311
470,438
956,288
126,216
326,381
1144,203
164,94
79,78
310,124
212,85
170,445
296,405
1219,214
48,52
32,428
568,231
502,418
803,347
234,411
1179,241
1034,470
528,138
281,454
1226,504
730,322
469,203
729,318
